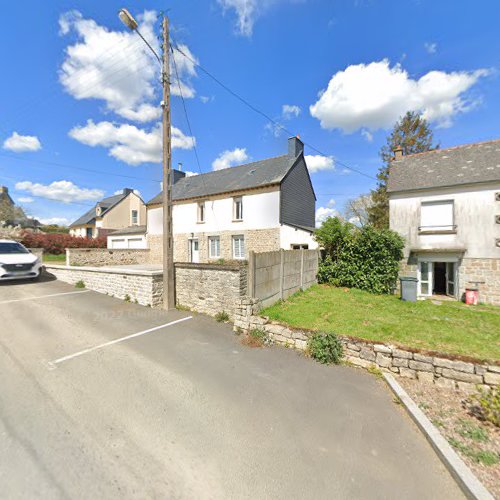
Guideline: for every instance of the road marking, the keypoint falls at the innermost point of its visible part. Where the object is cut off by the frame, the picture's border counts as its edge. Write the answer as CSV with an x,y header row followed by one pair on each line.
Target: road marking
x,y
42,297
116,341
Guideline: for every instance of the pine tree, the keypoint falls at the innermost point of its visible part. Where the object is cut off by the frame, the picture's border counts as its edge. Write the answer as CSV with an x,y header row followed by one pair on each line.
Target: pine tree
x,y
413,134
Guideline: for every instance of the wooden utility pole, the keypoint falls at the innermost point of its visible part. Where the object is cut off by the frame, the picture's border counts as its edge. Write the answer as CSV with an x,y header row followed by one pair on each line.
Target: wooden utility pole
x,y
168,243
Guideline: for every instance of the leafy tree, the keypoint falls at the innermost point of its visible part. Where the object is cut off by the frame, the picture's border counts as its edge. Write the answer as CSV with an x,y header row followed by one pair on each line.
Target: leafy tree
x,y
332,235
413,134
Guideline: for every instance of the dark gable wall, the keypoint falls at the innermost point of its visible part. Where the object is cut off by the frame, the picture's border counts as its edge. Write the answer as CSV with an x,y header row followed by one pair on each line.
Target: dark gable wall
x,y
298,203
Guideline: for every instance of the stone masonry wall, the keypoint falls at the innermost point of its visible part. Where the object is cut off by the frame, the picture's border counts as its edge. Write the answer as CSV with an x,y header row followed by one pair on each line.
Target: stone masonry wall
x,y
210,288
258,240
144,287
103,257
443,371
483,273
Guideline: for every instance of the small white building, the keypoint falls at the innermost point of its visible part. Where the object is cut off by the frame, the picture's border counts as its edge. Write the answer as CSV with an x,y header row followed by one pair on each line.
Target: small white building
x,y
130,237
446,205
261,206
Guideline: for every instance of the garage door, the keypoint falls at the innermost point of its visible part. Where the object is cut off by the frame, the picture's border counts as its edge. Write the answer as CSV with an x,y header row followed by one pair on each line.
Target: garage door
x,y
135,243
118,243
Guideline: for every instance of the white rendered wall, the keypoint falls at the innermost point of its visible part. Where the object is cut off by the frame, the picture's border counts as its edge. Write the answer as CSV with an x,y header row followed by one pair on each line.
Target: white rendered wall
x,y
474,215
127,241
291,236
260,211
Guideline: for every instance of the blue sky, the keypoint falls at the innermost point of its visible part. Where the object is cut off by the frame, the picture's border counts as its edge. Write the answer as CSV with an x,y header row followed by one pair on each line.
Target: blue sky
x,y
78,92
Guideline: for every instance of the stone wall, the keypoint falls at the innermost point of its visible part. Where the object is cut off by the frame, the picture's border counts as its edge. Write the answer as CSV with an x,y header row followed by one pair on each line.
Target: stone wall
x,y
449,372
483,274
210,288
143,287
97,257
256,240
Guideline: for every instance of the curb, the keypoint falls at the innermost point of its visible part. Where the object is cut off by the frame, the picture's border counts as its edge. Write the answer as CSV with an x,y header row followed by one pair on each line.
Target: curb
x,y
464,477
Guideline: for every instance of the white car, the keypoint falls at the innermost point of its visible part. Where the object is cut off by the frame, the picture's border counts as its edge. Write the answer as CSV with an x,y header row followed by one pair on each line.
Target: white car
x,y
17,262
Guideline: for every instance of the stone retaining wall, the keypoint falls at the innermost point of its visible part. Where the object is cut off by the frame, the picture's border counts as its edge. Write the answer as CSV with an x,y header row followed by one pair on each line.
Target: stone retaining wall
x,y
145,287
448,372
210,288
98,257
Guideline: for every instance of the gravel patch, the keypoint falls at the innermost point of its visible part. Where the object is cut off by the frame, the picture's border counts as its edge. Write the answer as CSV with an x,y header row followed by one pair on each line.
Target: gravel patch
x,y
477,442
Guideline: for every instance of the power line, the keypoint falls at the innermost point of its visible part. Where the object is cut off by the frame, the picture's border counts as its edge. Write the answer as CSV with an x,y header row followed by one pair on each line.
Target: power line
x,y
83,169
262,113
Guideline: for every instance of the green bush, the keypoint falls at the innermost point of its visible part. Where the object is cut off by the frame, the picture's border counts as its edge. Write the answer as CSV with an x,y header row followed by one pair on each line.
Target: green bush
x,y
325,347
80,284
364,258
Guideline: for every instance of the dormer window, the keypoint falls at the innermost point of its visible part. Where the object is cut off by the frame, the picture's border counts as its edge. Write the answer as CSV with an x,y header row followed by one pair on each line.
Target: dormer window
x,y
201,212
237,209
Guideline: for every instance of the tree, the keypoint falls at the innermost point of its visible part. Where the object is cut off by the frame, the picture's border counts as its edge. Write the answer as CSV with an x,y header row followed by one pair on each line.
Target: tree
x,y
413,134
356,210
9,211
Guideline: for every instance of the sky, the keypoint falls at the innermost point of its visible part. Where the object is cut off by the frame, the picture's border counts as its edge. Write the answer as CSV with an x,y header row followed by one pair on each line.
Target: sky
x,y
80,94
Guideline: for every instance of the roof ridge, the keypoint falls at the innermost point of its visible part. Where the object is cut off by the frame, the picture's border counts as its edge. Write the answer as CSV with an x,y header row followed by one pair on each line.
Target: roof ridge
x,y
437,150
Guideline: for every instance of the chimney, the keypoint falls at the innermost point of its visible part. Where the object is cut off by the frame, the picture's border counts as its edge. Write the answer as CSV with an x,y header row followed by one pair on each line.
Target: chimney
x,y
295,147
127,191
398,153
179,166
177,175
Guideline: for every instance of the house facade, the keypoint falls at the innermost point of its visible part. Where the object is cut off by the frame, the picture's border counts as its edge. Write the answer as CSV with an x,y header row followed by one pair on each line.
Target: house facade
x,y
446,205
261,206
119,211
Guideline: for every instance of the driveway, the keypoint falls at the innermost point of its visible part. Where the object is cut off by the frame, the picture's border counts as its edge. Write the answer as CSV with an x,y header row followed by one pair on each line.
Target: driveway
x,y
186,411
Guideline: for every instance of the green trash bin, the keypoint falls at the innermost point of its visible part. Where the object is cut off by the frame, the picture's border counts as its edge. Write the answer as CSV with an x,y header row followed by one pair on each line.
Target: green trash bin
x,y
408,288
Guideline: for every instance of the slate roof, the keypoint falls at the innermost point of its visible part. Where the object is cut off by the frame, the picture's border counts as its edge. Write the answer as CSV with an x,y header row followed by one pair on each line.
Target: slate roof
x,y
467,164
106,204
257,174
128,230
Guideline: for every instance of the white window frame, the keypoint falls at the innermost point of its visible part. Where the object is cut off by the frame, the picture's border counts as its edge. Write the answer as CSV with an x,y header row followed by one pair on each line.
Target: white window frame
x,y
238,202
238,249
136,222
216,240
200,218
433,225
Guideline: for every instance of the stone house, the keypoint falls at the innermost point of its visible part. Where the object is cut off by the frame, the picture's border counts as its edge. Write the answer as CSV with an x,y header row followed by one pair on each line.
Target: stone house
x,y
261,206
114,212
446,204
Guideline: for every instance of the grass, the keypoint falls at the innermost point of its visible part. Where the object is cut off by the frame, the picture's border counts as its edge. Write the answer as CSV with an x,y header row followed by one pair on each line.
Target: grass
x,y
449,327
484,457
48,257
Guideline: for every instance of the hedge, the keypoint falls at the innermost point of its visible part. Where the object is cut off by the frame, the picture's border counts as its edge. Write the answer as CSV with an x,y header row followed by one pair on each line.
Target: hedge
x,y
56,243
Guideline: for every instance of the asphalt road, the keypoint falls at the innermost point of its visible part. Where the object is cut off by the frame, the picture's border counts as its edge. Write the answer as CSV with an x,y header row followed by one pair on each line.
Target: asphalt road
x,y
186,411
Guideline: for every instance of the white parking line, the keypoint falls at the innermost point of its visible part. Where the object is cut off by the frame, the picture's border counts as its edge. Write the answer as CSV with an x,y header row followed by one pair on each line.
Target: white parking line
x,y
42,297
116,341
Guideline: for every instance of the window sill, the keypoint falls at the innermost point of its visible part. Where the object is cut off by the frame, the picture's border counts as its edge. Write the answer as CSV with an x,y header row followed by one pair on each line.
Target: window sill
x,y
200,222
437,231
237,220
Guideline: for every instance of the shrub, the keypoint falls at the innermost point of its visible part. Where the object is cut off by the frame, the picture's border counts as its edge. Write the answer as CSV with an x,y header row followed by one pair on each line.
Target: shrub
x,y
486,405
256,338
222,317
55,243
364,258
80,284
325,347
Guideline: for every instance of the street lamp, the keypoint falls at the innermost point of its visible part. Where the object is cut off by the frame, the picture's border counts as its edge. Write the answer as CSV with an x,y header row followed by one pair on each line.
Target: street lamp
x,y
168,247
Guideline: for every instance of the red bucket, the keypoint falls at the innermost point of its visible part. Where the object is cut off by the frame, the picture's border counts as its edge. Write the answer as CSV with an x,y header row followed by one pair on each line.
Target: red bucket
x,y
471,296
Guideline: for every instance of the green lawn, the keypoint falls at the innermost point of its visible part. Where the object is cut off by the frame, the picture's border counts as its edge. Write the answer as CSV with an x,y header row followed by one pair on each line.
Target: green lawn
x,y
449,327
47,257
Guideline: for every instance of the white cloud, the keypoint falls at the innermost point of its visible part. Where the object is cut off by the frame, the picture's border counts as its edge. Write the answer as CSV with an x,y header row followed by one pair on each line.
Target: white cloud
x,y
117,67
315,163
190,174
22,143
59,221
331,203
25,199
247,12
64,191
367,135
120,191
322,213
431,48
375,96
128,143
230,158
290,110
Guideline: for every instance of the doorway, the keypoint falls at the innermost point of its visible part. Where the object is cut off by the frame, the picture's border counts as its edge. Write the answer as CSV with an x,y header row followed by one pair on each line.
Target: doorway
x,y
437,278
194,251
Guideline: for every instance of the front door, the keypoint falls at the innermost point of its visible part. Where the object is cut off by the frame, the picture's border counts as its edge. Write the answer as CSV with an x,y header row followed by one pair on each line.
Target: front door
x,y
425,279
194,251
451,270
